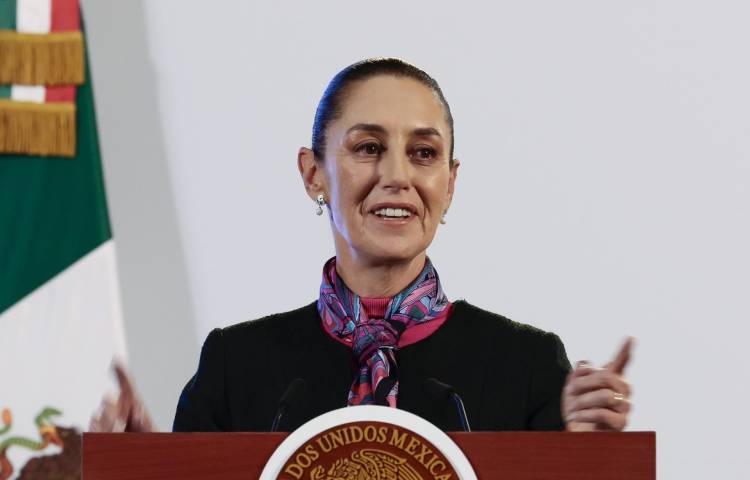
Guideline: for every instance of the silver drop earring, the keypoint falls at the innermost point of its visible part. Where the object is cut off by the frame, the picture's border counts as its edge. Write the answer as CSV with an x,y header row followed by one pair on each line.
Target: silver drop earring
x,y
321,201
442,219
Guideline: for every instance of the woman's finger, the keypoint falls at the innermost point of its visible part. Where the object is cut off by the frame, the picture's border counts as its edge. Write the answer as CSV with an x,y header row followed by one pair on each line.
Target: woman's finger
x,y
595,381
94,423
140,420
123,379
583,368
129,404
104,419
604,418
603,398
618,364
125,405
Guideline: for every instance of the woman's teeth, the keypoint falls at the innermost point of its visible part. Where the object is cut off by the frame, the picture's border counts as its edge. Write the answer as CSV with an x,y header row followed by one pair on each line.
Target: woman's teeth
x,y
393,212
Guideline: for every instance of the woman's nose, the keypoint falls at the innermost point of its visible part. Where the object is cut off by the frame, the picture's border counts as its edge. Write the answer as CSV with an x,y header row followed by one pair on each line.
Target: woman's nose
x,y
395,171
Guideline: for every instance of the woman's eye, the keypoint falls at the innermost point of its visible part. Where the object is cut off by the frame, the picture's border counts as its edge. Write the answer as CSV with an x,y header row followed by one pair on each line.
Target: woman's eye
x,y
424,153
369,149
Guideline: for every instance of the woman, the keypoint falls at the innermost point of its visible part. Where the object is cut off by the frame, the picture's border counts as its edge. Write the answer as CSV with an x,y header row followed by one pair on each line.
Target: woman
x,y
382,165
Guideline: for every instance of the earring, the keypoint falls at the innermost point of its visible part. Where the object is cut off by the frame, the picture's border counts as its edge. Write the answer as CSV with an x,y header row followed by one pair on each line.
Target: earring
x,y
442,219
321,201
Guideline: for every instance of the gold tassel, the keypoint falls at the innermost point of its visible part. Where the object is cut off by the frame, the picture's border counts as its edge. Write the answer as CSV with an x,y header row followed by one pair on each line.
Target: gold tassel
x,y
41,59
43,129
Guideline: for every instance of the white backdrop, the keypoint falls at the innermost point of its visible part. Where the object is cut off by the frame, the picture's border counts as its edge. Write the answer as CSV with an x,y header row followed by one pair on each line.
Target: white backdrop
x,y
604,188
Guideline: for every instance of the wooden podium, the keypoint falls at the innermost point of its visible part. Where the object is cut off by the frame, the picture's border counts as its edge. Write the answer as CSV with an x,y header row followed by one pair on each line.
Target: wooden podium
x,y
504,455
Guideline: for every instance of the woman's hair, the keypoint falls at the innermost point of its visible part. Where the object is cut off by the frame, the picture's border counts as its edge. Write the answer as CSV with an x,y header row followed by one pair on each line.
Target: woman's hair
x,y
331,104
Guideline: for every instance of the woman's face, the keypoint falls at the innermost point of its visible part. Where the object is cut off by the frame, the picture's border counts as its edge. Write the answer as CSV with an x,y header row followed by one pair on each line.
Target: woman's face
x,y
386,172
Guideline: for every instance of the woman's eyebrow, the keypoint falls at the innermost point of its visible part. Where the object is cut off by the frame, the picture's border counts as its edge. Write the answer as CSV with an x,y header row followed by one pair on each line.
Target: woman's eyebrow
x,y
367,127
426,132
375,128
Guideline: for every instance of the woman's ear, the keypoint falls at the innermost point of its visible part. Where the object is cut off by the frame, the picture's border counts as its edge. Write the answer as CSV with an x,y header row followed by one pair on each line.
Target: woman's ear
x,y
312,175
452,181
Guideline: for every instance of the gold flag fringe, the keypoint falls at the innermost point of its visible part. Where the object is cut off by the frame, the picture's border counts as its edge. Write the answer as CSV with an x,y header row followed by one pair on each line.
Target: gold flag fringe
x,y
46,129
41,59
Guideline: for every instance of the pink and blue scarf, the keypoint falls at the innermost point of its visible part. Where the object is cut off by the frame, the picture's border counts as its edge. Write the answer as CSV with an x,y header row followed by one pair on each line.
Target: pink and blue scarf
x,y
374,341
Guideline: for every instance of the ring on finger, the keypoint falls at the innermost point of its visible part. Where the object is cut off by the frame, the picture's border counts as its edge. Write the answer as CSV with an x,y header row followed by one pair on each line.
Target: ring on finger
x,y
619,397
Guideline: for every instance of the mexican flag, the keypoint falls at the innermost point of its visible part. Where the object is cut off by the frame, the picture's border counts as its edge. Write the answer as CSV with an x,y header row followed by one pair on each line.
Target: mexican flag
x,y
60,315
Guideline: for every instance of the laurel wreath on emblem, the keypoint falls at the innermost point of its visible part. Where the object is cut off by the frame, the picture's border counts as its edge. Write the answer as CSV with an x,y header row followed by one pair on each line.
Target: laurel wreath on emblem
x,y
367,464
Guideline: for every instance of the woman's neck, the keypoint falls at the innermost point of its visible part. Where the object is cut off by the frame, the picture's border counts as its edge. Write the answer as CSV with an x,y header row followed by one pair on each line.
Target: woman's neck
x,y
378,279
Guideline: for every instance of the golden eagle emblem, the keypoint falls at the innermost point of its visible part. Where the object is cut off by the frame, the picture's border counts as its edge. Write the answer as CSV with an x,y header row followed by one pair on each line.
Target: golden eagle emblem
x,y
367,464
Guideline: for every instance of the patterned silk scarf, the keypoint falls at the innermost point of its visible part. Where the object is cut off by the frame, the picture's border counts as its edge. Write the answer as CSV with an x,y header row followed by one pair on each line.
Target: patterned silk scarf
x,y
375,340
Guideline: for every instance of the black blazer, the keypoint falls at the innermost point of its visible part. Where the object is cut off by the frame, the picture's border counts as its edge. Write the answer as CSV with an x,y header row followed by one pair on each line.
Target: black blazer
x,y
510,375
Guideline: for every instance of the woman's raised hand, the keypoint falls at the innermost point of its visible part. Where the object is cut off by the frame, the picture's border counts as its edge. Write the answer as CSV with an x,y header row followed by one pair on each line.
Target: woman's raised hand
x,y
127,413
598,398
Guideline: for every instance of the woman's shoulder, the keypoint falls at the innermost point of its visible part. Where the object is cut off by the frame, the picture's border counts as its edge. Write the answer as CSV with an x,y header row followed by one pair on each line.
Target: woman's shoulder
x,y
476,318
505,335
290,325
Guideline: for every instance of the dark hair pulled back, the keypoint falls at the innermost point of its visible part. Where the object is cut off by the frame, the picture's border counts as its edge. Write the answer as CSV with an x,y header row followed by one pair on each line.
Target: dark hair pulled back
x,y
331,105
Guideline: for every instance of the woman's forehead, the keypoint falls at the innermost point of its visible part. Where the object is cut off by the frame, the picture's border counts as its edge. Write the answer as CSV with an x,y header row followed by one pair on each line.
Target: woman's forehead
x,y
394,103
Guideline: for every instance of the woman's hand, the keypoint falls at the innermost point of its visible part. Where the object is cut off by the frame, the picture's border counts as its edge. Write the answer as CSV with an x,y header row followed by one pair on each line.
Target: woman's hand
x,y
598,398
127,413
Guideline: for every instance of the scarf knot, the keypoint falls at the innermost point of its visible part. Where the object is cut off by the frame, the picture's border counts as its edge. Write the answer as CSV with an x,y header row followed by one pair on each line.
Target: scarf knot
x,y
377,334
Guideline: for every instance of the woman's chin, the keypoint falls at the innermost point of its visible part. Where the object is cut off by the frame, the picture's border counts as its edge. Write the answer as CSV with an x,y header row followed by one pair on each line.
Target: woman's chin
x,y
389,251
395,246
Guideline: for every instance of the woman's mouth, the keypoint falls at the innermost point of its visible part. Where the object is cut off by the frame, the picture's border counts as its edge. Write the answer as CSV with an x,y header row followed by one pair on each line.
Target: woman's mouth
x,y
396,213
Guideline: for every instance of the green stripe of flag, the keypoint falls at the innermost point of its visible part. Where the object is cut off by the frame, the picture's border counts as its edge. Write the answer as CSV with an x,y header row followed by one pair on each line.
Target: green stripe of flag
x,y
7,14
53,211
4,89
